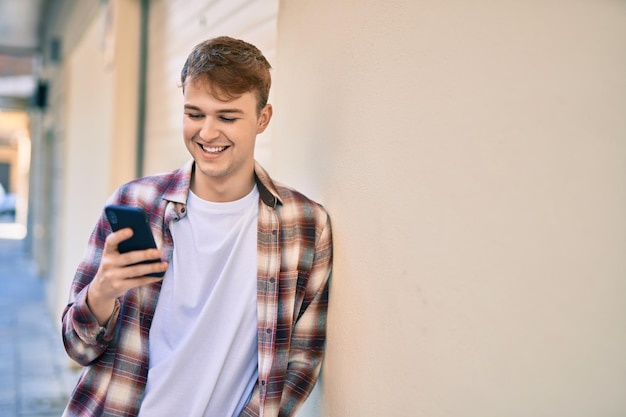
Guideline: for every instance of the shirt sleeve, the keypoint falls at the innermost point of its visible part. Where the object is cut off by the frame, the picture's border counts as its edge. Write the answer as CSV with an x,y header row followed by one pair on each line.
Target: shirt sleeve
x,y
84,339
309,333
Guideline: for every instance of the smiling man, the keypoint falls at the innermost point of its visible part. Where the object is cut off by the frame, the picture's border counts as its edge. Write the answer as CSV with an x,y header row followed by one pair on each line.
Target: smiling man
x,y
237,325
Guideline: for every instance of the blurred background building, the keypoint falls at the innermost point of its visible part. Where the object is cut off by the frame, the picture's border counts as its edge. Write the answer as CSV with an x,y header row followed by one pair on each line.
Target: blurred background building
x,y
472,156
19,47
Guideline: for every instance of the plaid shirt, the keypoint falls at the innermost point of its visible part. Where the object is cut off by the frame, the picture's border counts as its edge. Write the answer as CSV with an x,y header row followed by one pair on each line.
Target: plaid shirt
x,y
294,268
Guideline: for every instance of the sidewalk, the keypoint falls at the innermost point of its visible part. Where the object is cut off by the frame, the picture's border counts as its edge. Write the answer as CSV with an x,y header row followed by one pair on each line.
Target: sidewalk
x,y
35,377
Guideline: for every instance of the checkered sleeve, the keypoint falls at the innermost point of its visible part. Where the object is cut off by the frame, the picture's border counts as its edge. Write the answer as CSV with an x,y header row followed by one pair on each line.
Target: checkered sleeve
x,y
84,339
309,332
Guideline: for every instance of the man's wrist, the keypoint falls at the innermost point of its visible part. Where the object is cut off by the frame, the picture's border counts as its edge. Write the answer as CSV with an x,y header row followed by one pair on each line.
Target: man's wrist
x,y
102,310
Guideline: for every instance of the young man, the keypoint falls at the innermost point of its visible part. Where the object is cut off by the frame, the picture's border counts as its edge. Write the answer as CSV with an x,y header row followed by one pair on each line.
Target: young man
x,y
237,325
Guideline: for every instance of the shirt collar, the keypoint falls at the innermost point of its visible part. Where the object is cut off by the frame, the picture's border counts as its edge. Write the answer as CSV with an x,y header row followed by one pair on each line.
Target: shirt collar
x,y
267,190
178,188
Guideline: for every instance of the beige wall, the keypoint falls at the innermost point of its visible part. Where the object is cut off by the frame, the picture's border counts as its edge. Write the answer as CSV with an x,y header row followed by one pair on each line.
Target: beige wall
x,y
99,140
473,159
87,151
65,24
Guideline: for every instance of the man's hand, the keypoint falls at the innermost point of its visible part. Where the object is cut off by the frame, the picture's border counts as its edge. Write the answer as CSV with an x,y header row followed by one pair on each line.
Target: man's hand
x,y
117,274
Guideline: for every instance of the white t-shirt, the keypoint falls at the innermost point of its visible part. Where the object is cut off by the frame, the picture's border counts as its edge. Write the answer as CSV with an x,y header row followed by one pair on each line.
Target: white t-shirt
x,y
203,339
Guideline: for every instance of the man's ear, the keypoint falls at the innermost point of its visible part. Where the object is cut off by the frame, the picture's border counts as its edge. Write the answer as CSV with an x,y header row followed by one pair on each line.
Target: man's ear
x,y
264,118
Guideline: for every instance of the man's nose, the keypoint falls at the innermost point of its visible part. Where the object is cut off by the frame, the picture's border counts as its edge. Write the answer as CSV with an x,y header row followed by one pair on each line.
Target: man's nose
x,y
209,129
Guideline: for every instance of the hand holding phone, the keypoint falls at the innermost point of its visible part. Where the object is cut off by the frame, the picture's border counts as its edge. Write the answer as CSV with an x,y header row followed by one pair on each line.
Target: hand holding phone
x,y
121,217
117,273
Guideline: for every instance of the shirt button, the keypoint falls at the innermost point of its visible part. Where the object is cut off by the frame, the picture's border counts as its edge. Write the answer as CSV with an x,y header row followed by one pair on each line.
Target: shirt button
x,y
272,280
268,331
274,232
183,210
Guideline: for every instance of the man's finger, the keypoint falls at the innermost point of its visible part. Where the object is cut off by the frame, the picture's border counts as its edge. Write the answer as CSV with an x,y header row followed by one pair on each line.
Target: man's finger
x,y
142,270
140,281
138,256
113,240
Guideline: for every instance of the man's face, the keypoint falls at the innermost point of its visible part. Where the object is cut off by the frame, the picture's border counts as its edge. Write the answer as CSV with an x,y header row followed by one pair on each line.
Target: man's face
x,y
220,135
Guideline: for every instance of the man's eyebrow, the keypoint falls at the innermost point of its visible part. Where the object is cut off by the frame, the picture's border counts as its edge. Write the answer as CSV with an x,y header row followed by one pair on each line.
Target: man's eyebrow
x,y
198,109
230,111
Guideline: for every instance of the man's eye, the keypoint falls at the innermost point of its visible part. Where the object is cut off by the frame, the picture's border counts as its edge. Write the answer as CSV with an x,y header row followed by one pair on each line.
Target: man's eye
x,y
227,119
194,115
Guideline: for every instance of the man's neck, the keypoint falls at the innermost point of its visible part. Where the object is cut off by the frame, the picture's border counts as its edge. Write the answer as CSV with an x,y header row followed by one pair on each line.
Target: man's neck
x,y
221,190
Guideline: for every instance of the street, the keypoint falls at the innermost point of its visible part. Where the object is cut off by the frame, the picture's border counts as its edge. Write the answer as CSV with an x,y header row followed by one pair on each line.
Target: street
x,y
35,374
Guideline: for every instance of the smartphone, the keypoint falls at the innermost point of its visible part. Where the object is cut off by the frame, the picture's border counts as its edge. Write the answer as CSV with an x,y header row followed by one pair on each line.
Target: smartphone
x,y
121,217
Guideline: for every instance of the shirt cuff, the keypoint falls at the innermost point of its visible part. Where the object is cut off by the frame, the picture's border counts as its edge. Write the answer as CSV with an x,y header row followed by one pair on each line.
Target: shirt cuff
x,y
86,324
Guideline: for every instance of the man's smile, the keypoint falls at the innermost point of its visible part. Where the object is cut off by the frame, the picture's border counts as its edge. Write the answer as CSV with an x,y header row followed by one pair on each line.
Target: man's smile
x,y
214,149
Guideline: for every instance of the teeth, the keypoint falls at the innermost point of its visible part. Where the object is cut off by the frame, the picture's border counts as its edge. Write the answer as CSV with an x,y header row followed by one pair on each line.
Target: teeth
x,y
214,149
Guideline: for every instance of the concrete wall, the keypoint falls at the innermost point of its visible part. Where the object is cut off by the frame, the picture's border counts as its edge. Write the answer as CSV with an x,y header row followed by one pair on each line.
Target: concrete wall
x,y
65,24
88,151
94,144
472,157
